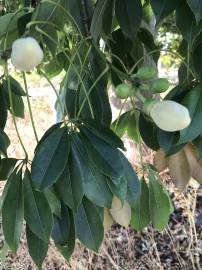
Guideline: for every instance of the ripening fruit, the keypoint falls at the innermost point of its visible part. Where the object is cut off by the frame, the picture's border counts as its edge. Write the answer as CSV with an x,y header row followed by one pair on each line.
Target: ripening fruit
x,y
146,73
160,85
26,54
169,115
124,90
121,214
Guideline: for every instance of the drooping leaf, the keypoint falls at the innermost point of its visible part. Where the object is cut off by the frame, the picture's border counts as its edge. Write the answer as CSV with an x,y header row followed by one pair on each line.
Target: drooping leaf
x,y
37,210
188,28
4,142
37,248
89,225
129,15
196,7
3,109
133,185
105,157
104,133
148,132
102,19
193,101
162,8
53,201
13,211
50,159
68,249
61,228
140,210
159,203
6,167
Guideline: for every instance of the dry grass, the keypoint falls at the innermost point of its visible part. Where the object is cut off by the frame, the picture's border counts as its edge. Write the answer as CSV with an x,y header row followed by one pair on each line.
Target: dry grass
x,y
177,247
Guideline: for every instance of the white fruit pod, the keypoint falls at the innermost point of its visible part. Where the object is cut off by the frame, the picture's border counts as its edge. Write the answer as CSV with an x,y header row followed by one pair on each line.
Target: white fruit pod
x,y
121,213
169,115
26,54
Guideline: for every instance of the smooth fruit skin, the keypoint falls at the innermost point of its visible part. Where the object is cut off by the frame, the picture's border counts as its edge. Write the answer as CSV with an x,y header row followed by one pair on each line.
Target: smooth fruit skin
x,y
146,73
26,54
124,90
160,85
170,116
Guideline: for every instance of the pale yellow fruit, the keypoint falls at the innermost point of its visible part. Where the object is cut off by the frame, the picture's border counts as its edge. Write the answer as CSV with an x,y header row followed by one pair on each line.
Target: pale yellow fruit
x,y
170,116
26,54
180,170
121,214
108,220
160,160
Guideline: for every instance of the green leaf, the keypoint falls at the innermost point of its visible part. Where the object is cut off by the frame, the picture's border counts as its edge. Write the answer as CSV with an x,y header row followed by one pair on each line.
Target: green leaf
x,y
6,166
13,211
103,133
133,184
132,130
159,203
102,18
16,88
196,7
53,201
47,133
148,132
4,142
196,52
129,16
120,125
70,184
88,223
105,157
193,101
37,211
188,28
50,159
61,228
3,109
162,8
148,40
118,187
96,188
140,211
67,250
37,248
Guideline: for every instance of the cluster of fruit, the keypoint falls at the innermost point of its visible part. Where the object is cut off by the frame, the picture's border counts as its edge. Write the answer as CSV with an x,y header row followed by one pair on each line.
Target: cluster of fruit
x,y
167,115
146,82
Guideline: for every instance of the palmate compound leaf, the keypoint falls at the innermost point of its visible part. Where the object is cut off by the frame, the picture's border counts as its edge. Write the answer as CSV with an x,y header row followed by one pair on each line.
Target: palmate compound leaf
x,y
13,210
89,224
140,210
37,211
50,159
104,133
71,187
104,156
159,203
